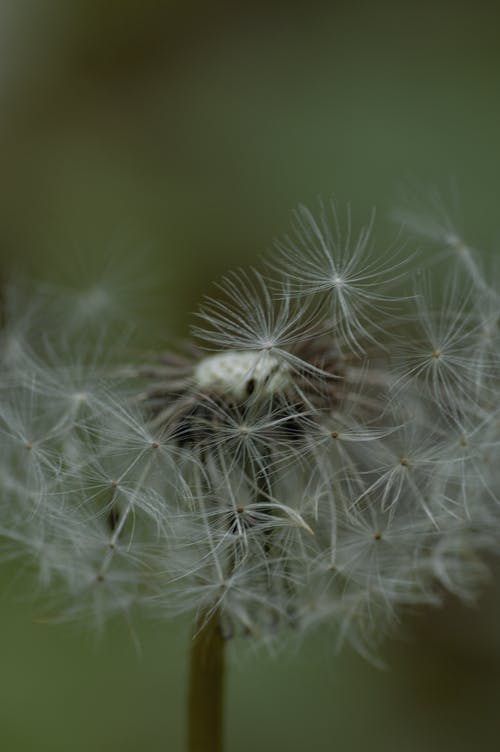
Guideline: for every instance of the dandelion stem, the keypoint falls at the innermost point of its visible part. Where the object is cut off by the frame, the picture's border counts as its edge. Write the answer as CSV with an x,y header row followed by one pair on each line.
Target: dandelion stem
x,y
206,685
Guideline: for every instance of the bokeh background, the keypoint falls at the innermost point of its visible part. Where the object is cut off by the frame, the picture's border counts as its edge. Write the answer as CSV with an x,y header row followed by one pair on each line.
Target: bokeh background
x,y
168,141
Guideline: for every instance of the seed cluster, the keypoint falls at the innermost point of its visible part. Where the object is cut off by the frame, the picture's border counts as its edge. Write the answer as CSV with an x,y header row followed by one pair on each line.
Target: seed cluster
x,y
324,451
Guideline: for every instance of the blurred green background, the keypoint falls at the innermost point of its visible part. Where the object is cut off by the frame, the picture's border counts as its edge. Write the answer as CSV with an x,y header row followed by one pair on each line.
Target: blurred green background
x,y
170,140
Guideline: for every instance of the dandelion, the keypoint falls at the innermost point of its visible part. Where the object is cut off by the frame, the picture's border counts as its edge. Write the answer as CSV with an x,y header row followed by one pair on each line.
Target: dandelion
x,y
323,452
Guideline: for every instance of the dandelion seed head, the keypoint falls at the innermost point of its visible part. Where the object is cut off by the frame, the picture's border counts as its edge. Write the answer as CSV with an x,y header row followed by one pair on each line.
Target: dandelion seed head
x,y
331,459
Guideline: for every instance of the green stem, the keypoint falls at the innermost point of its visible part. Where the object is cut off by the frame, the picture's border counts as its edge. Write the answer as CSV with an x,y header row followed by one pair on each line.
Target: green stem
x,y
206,686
